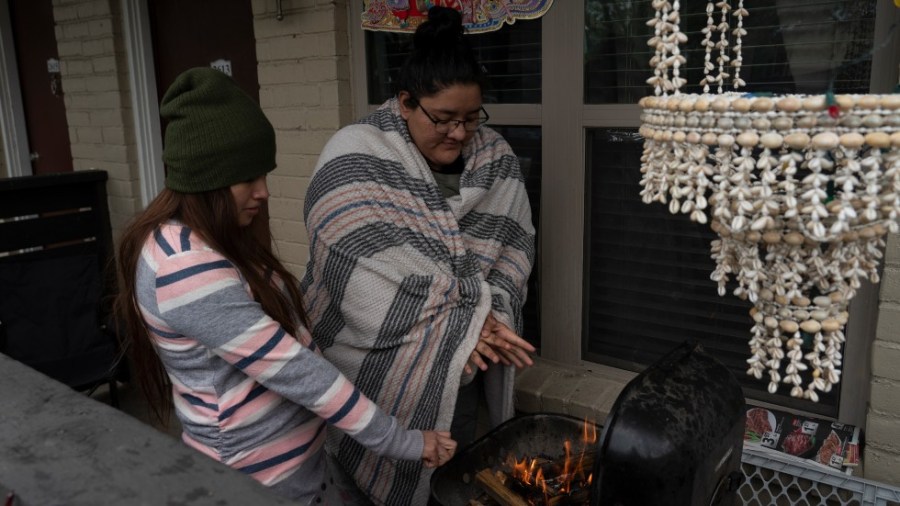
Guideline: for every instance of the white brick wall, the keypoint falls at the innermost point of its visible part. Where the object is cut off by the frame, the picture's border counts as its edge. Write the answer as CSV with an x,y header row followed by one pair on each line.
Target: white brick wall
x,y
98,111
882,456
304,90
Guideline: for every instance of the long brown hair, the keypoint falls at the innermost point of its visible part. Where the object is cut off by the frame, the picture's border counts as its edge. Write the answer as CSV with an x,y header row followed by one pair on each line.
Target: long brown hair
x,y
212,215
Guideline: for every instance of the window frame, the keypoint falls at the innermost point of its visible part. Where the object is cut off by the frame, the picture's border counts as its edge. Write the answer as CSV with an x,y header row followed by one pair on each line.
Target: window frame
x,y
564,118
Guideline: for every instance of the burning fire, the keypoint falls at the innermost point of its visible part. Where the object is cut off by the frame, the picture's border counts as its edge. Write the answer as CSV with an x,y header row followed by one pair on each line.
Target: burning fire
x,y
550,479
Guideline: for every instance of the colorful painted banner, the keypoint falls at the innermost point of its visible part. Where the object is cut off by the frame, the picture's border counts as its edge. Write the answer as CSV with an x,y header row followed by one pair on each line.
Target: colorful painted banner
x,y
478,15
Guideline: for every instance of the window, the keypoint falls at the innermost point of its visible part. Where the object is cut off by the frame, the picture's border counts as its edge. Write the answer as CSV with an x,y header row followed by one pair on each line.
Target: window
x,y
648,270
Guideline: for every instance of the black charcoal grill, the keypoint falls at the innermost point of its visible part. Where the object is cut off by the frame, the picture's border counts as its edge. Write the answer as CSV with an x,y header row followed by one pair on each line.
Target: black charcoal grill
x,y
673,437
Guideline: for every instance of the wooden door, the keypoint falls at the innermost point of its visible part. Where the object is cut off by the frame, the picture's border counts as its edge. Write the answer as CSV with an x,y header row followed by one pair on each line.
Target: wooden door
x,y
203,33
196,33
39,79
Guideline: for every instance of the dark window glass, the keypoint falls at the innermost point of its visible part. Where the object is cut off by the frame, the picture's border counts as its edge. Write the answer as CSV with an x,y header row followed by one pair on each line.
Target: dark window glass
x,y
526,143
511,56
791,47
648,275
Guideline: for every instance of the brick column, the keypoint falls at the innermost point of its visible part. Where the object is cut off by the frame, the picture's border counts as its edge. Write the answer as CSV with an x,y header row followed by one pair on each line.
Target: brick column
x,y
304,77
95,82
882,454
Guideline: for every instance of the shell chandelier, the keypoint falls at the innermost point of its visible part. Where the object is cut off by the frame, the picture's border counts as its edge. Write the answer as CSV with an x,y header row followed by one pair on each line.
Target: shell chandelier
x,y
801,189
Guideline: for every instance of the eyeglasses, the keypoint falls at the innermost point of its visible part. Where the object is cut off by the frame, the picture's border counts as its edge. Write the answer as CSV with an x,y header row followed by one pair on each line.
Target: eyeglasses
x,y
445,126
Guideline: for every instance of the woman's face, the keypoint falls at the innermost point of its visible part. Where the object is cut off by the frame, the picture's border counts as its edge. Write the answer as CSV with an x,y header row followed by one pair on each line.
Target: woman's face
x,y
457,102
248,197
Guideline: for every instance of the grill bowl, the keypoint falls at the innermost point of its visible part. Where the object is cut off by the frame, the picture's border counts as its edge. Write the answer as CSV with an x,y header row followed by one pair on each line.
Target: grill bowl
x,y
532,435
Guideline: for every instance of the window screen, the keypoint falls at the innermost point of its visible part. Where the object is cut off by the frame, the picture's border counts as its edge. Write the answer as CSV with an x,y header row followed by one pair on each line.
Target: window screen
x,y
791,46
648,275
511,56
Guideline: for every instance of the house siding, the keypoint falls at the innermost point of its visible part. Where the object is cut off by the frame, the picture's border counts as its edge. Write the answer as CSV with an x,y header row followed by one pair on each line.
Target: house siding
x,y
304,78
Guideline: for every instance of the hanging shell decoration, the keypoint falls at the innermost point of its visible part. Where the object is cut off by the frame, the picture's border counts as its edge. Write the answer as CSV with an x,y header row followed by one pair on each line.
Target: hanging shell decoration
x,y
801,193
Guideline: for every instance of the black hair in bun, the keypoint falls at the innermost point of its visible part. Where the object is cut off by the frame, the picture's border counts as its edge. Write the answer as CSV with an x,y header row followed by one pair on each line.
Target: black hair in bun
x,y
440,56
444,26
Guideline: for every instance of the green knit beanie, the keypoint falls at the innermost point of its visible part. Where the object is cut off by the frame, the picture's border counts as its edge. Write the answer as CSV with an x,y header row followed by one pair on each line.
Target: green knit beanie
x,y
217,135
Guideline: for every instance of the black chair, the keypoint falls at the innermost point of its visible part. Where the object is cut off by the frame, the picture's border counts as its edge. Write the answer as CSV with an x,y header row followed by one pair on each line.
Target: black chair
x,y
57,279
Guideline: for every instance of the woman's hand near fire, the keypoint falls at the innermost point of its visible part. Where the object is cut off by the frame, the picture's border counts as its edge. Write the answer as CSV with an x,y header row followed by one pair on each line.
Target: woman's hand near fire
x,y
438,448
498,343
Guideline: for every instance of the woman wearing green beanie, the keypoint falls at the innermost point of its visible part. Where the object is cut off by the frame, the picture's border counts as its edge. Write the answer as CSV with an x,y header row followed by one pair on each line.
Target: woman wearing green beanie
x,y
218,329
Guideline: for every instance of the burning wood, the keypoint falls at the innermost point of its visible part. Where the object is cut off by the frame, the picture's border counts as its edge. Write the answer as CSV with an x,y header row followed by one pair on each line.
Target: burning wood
x,y
541,481
494,484
497,493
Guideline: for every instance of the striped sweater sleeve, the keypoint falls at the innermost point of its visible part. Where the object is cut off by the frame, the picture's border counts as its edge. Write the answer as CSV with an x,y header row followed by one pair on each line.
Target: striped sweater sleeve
x,y
200,295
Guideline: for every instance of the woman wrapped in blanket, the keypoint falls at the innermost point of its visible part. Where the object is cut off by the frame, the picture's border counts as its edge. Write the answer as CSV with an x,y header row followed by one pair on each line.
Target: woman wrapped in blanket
x,y
219,332
421,244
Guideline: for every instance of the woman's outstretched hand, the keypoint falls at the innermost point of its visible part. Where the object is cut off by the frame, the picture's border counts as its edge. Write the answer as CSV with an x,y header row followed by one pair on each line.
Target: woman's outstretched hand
x,y
498,343
438,448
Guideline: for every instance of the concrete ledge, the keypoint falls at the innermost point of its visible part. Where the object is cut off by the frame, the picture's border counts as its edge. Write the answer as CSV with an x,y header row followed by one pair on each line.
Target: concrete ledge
x,y
583,390
58,447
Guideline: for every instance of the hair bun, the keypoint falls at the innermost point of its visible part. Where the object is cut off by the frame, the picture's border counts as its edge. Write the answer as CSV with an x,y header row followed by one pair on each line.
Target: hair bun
x,y
444,26
439,56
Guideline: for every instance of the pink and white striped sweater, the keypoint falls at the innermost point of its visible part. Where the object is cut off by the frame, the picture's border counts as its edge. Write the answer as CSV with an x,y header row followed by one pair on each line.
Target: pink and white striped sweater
x,y
247,393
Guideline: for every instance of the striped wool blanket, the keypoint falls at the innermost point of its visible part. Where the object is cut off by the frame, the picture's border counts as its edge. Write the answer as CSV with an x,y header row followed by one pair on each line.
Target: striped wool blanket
x,y
401,279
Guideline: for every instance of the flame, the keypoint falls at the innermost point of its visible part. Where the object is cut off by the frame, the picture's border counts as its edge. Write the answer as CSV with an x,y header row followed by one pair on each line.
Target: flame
x,y
589,432
524,471
570,471
539,480
573,476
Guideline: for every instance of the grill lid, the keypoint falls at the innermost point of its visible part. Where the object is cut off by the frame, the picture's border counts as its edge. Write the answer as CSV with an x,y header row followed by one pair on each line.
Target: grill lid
x,y
674,435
